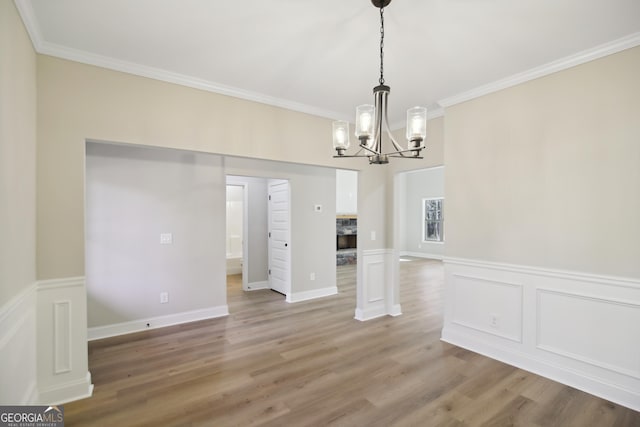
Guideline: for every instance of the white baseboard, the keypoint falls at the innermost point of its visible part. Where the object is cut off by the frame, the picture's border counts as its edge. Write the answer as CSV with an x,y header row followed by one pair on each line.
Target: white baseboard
x,y
576,328
425,255
395,310
562,374
67,392
99,332
255,286
18,349
370,313
315,293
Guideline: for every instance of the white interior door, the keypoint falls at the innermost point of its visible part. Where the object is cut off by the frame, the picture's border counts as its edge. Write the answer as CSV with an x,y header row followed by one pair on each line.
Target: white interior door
x,y
279,248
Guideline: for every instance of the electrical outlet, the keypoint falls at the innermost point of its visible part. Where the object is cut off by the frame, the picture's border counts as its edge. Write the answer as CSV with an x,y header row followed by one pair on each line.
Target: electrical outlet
x,y
166,239
164,297
373,235
494,320
312,276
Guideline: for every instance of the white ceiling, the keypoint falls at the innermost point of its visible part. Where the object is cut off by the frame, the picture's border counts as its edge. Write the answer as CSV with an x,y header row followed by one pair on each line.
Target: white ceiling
x,y
321,57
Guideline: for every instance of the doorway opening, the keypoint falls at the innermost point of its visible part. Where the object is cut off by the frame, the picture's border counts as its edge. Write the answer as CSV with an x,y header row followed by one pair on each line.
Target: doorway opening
x,y
258,223
235,196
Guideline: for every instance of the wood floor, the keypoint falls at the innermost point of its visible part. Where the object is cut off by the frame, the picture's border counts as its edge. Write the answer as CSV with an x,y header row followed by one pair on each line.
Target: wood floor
x,y
311,364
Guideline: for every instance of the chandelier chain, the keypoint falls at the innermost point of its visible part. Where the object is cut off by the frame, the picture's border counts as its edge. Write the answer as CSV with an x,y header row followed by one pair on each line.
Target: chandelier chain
x,y
381,79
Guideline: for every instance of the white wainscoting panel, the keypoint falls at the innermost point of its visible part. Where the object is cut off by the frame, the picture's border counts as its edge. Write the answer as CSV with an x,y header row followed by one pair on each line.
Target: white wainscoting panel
x,y
579,329
18,384
62,353
377,284
598,331
62,337
490,306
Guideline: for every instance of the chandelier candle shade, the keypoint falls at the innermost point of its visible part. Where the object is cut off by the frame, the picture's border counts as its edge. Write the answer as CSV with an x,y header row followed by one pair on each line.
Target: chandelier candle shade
x,y
372,124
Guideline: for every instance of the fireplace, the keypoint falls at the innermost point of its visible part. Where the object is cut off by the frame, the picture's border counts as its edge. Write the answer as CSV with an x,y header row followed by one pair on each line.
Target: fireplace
x,y
346,240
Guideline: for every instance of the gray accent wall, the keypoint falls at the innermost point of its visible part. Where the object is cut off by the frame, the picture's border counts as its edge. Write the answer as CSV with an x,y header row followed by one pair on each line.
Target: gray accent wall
x,y
415,186
133,195
313,234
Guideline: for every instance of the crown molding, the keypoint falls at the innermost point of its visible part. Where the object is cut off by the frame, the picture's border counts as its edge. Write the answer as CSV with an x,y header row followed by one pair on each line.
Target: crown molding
x,y
45,48
181,79
31,23
615,46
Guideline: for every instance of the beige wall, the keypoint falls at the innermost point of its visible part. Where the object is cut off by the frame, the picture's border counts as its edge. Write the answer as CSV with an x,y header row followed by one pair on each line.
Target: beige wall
x,y
546,173
17,155
78,102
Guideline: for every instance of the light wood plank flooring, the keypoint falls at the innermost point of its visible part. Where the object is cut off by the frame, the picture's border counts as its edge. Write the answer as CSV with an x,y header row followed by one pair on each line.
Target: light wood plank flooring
x,y
311,364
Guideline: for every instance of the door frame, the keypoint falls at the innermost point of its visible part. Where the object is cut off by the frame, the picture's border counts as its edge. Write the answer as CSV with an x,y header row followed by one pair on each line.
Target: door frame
x,y
270,183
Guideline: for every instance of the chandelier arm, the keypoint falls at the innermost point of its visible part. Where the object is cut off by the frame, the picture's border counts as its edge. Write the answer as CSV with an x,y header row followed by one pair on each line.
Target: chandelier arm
x,y
344,156
369,150
400,152
393,156
379,104
386,122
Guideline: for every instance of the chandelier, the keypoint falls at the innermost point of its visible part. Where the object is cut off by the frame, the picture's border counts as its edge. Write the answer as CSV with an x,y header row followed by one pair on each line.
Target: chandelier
x,y
372,123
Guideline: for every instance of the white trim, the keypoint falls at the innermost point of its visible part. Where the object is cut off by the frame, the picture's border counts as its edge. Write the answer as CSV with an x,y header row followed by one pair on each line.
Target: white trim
x,y
159,74
43,285
370,252
563,374
46,48
425,255
603,374
559,274
395,310
370,313
69,392
31,23
62,334
376,292
315,293
571,355
256,286
25,9
99,332
615,46
515,338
